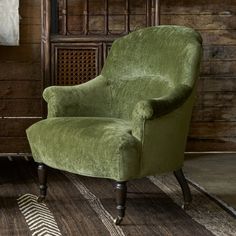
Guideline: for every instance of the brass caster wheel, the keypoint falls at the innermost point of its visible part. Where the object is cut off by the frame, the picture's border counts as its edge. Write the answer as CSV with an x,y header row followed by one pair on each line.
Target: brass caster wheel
x,y
40,199
118,220
186,206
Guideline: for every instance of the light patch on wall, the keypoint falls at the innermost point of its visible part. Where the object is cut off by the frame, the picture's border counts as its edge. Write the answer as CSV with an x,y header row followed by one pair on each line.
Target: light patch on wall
x,y
9,22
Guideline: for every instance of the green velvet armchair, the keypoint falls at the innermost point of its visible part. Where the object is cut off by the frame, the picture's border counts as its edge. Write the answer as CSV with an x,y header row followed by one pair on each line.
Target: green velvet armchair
x,y
129,122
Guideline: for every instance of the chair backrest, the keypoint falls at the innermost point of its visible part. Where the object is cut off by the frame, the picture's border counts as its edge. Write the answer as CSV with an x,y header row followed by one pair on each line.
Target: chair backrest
x,y
149,63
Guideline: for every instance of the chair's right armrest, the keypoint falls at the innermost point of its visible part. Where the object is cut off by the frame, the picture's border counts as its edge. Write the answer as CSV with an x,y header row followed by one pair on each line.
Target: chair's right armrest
x,y
151,109
77,100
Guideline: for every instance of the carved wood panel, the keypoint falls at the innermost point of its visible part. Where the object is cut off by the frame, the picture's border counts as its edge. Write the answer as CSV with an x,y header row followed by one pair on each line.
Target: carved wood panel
x,y
76,63
87,22
105,17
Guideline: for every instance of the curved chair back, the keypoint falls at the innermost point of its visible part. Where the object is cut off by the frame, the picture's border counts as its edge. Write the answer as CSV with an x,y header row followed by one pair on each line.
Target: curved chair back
x,y
149,63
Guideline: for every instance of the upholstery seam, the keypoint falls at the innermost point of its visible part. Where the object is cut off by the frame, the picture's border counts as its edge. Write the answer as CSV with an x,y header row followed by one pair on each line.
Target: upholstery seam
x,y
109,85
142,145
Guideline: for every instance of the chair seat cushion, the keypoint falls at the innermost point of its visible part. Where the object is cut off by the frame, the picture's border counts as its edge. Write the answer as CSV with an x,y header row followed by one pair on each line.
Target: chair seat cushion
x,y
91,146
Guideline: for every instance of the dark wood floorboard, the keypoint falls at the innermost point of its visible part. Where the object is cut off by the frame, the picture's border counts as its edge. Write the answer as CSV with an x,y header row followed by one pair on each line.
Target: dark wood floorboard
x,y
71,211
150,212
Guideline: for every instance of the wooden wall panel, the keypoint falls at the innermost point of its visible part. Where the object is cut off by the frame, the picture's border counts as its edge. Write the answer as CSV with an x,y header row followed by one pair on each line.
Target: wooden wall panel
x,y
20,89
15,127
14,145
20,81
18,71
202,22
20,107
199,7
214,115
219,52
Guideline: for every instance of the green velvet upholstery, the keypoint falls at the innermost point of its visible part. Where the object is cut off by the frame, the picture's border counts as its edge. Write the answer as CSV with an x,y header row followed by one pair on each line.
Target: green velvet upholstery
x,y
133,119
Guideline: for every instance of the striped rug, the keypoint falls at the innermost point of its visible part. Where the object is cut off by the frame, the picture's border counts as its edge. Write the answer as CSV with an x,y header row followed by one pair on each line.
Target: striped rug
x,y
79,205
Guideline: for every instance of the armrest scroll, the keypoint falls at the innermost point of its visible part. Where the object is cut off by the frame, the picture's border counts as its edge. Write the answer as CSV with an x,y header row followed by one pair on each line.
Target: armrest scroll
x,y
78,100
151,109
156,107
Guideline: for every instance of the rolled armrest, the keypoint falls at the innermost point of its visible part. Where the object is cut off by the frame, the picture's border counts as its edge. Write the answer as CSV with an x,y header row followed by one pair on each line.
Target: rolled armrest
x,y
61,100
151,109
56,94
79,100
156,107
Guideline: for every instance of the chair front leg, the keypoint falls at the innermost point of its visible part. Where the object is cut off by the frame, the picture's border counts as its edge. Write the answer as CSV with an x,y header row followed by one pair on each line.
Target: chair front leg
x,y
120,193
185,188
42,175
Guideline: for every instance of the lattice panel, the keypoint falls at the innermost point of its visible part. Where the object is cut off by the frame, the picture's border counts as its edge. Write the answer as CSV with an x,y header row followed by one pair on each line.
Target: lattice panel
x,y
105,17
76,66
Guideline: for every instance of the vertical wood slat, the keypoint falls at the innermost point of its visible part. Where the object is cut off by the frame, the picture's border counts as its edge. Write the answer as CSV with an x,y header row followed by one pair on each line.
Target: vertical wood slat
x,y
46,30
64,17
86,19
157,12
127,18
45,46
148,13
46,19
106,20
54,13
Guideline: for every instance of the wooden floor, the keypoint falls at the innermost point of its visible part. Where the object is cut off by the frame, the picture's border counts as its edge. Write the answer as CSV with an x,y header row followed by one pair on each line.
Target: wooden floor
x,y
216,174
85,206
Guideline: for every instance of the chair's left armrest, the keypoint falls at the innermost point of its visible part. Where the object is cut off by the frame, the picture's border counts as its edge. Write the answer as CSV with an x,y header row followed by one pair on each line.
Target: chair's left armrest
x,y
88,99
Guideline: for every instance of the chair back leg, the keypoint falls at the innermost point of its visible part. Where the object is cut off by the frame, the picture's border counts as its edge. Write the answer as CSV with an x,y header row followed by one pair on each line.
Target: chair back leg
x,y
185,188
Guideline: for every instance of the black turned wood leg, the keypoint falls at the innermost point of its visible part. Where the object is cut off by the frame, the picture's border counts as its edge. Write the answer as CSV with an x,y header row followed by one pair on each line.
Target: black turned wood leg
x,y
185,188
120,192
42,175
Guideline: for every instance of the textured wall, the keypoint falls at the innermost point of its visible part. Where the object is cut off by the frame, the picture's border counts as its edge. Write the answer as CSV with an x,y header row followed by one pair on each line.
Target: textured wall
x,y
213,121
214,117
